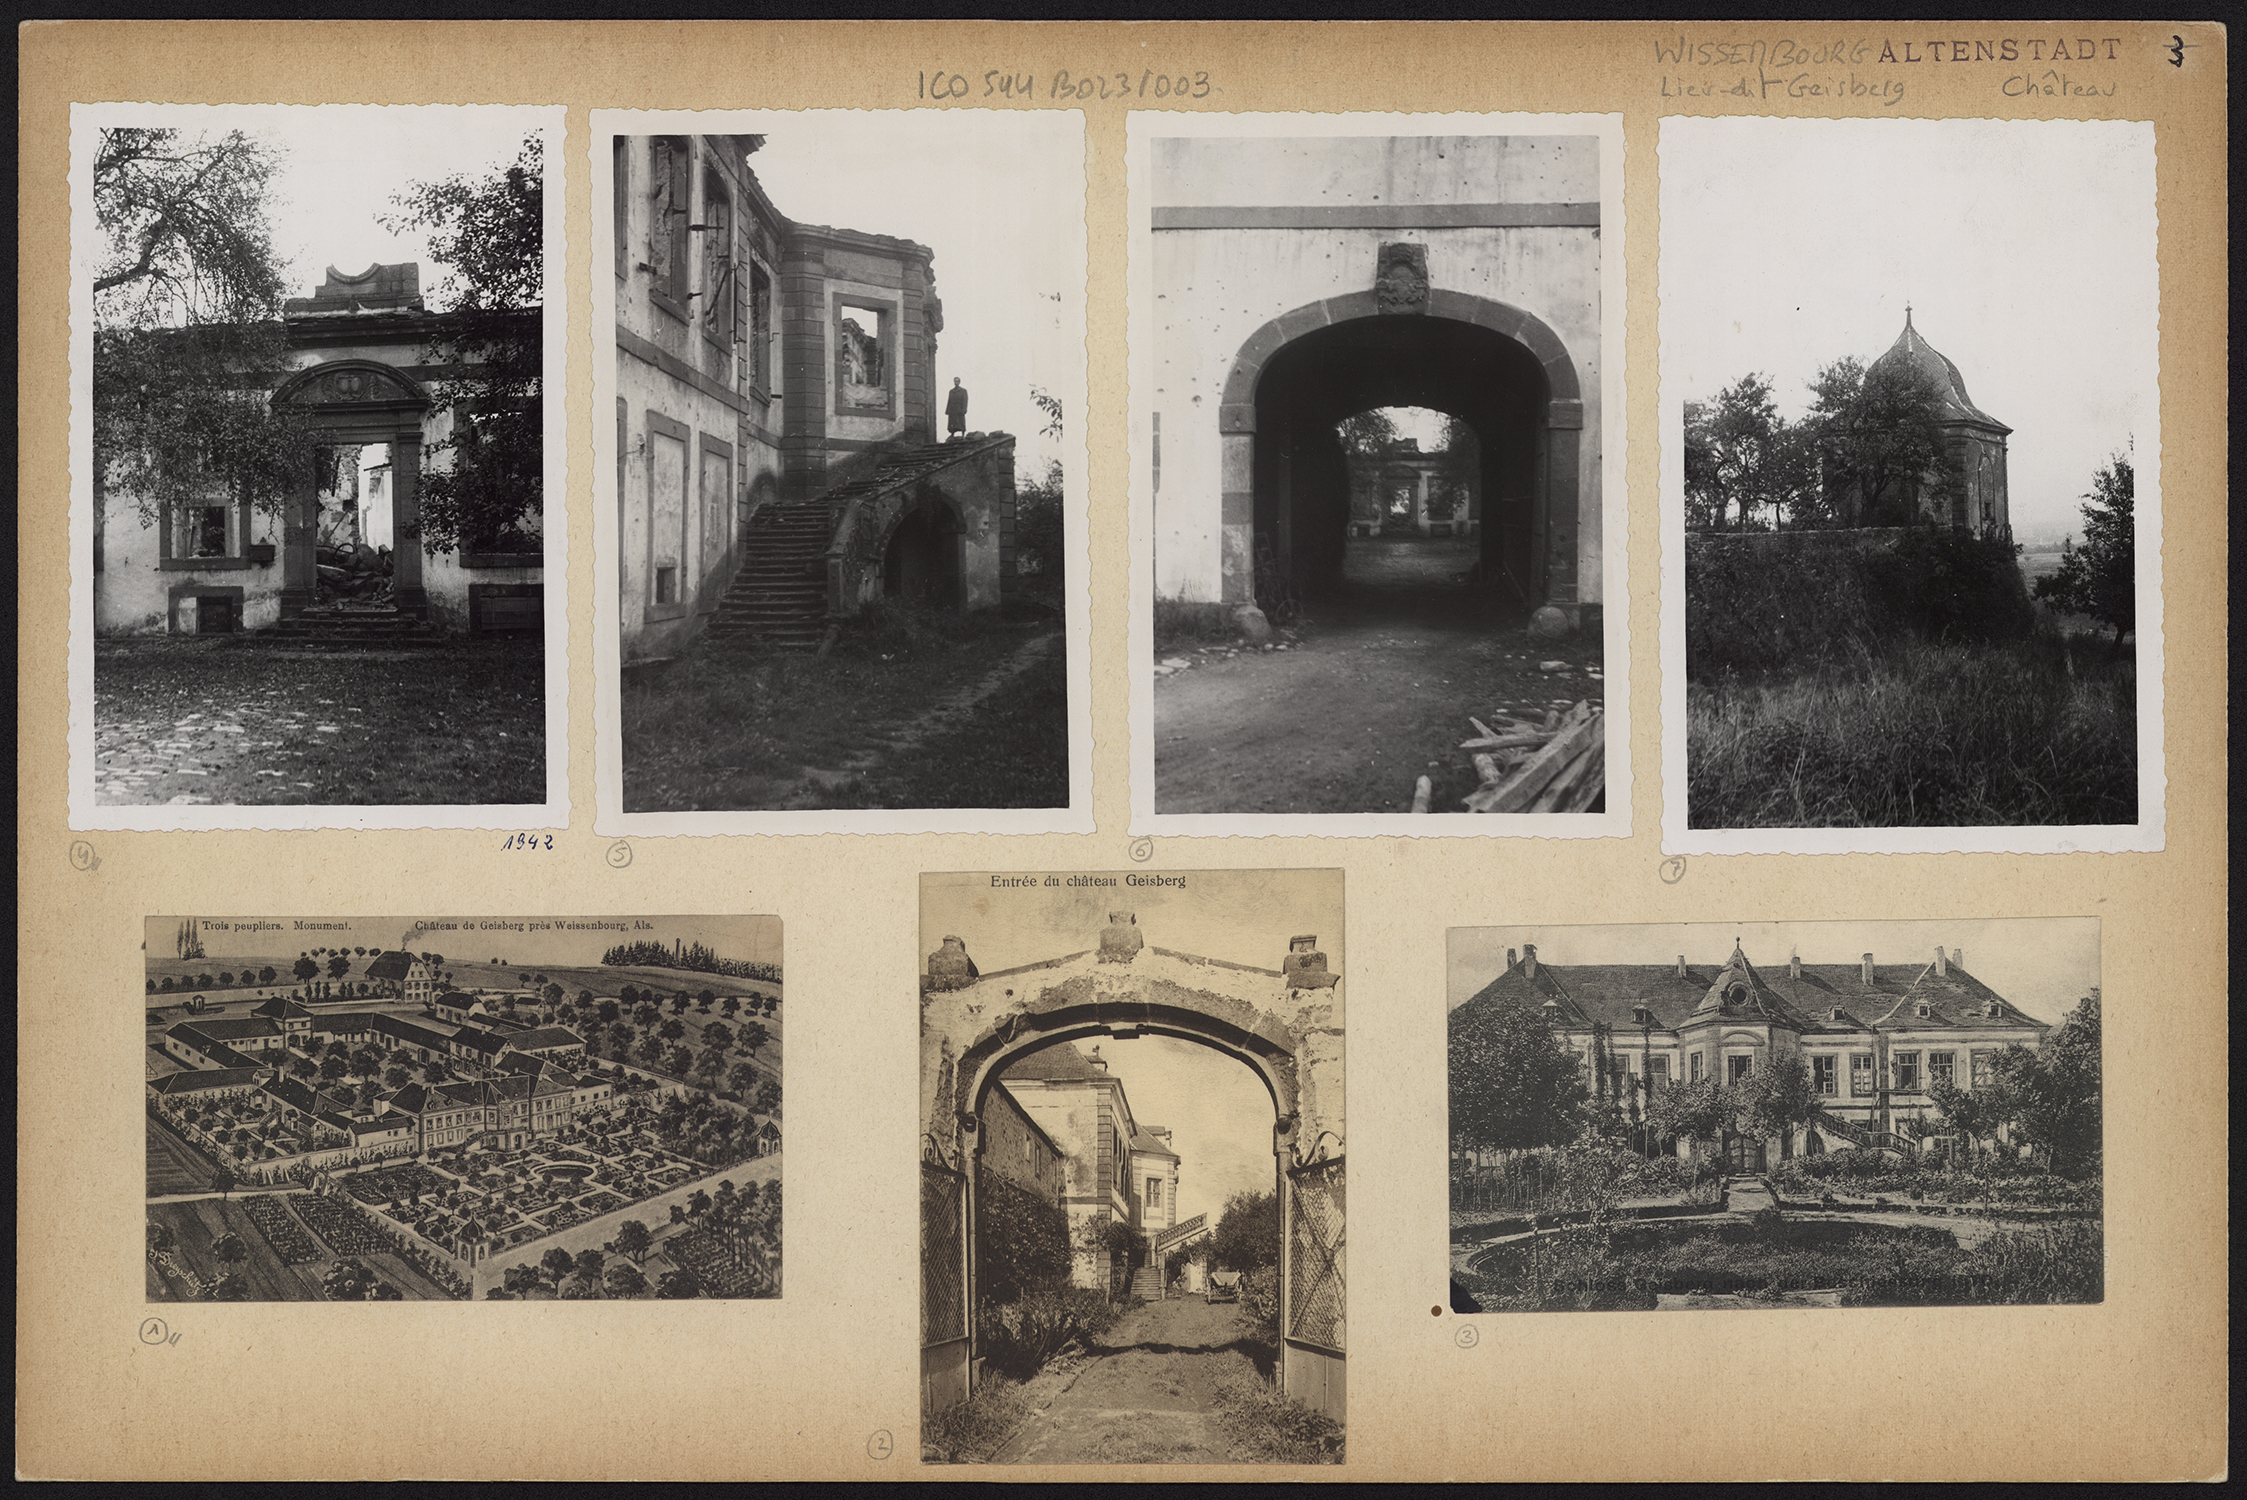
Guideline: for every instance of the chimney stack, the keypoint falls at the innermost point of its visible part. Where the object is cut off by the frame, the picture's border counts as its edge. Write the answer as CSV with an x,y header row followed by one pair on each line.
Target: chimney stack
x,y
1942,963
1681,966
1097,1060
1866,972
1958,958
1794,963
1529,960
1512,958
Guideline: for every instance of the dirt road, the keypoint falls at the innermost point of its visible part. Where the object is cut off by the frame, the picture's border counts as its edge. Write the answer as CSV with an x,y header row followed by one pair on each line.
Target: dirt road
x,y
1151,1394
1373,692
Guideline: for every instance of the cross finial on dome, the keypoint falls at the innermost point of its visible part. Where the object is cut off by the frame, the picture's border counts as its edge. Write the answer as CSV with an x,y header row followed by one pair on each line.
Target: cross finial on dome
x,y
1907,315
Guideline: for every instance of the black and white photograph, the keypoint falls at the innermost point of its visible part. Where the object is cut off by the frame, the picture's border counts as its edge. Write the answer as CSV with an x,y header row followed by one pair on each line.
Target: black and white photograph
x,y
1132,1192
1755,1115
1911,485
492,1109
1376,488
313,456
847,373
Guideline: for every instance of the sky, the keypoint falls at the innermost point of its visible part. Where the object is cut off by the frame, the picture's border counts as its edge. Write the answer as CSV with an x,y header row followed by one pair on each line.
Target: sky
x,y
2041,964
999,196
1219,1114
2025,248
469,940
342,164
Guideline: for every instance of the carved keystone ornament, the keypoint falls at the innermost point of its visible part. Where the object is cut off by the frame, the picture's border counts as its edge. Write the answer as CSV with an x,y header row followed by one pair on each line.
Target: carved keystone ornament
x,y
1400,279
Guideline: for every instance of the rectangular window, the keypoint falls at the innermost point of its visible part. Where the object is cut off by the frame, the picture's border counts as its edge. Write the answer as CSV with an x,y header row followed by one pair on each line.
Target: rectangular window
x,y
1860,1075
1907,1072
760,327
1695,1070
667,226
1942,1068
1154,1194
1984,1063
1736,1068
1823,1076
862,346
715,232
1657,1073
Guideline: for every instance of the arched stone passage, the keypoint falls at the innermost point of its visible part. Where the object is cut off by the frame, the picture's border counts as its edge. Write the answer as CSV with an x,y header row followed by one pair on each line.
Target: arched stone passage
x,y
1498,368
924,557
1284,1025
357,401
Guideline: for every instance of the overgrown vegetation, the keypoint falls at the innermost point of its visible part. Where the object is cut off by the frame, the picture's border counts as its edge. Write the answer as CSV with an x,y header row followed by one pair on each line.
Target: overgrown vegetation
x,y
486,493
746,727
2024,732
973,1430
1263,1426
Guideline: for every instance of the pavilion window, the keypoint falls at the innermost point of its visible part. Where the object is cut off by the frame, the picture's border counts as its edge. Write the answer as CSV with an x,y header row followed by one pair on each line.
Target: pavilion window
x,y
1907,1072
1657,1073
1823,1076
1942,1068
1860,1074
1984,1063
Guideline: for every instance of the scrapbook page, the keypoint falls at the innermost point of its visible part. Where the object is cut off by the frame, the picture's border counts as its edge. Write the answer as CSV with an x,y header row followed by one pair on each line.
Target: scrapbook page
x,y
1333,743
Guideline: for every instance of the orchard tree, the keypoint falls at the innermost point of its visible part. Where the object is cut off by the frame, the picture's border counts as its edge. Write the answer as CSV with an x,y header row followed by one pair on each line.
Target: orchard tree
x,y
1876,430
2100,579
1774,1098
2057,1090
623,1279
632,1239
1513,1084
1248,1233
491,230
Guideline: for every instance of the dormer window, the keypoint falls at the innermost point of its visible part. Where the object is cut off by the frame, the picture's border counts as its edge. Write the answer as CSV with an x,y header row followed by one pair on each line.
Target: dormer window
x,y
1923,1010
1642,1015
1836,1014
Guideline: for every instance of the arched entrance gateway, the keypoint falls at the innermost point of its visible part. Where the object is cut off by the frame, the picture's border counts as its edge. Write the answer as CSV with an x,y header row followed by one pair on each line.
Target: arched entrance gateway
x,y
349,401
1497,368
1299,280
1284,1025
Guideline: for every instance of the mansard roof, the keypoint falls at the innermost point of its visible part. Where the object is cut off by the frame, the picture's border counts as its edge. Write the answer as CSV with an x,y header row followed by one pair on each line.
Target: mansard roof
x,y
391,965
1910,349
1584,995
1060,1063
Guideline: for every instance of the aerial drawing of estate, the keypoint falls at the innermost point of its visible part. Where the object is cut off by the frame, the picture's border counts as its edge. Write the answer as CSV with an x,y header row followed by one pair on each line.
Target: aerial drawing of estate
x,y
346,1121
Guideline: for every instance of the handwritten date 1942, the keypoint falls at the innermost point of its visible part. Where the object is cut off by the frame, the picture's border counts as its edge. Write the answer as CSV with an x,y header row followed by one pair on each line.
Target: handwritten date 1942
x,y
1064,85
542,842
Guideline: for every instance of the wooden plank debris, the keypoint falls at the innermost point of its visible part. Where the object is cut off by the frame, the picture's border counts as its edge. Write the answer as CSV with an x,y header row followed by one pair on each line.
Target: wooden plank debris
x,y
1557,766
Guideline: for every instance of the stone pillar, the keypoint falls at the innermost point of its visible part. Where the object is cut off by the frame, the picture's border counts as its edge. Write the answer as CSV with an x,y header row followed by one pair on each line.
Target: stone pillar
x,y
1237,470
1420,501
300,532
405,526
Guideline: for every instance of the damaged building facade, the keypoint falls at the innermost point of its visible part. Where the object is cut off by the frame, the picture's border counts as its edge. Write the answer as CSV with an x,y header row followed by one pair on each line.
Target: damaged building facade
x,y
374,376
1301,281
777,461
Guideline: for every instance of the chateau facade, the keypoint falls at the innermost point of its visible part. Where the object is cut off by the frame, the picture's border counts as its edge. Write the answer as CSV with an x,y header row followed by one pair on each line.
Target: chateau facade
x,y
1874,1037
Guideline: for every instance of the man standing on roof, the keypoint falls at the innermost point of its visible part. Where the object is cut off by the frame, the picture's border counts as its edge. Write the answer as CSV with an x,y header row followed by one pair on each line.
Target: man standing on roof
x,y
955,411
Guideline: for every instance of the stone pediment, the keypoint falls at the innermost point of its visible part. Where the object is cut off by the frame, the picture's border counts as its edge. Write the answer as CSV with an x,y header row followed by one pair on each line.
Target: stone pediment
x,y
352,382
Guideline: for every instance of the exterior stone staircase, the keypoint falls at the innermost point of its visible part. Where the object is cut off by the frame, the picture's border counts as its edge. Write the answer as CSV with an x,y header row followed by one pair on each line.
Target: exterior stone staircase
x,y
780,595
331,627
1147,1284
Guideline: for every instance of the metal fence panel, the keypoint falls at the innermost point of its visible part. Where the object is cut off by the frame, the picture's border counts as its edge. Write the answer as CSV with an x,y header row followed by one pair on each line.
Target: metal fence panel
x,y
1315,1254
943,1254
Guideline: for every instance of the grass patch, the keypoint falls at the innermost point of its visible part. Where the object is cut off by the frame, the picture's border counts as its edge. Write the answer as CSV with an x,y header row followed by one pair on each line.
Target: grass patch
x,y
1928,734
1263,1426
741,727
1015,753
972,1431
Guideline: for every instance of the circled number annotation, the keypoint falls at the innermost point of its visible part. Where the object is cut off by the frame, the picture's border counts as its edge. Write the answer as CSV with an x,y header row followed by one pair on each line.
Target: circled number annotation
x,y
1000,84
